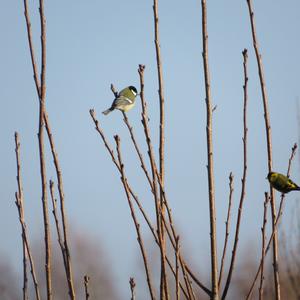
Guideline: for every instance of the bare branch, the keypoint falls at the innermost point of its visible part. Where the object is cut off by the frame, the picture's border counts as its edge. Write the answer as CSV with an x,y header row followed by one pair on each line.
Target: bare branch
x,y
86,287
227,226
243,191
274,230
137,225
263,246
132,288
26,247
41,91
269,148
110,151
177,269
163,277
66,249
158,202
210,167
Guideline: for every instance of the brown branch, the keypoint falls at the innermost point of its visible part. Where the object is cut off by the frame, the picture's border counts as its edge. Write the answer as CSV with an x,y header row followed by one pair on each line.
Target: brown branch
x,y
126,121
25,242
189,287
86,287
143,166
66,252
177,269
54,211
42,110
137,225
184,267
132,288
243,191
294,148
158,204
59,235
115,92
31,47
163,277
41,91
263,246
269,148
227,226
19,203
211,184
110,151
274,230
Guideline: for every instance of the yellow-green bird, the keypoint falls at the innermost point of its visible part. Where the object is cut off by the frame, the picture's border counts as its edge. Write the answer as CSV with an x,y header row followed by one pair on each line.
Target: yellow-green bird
x,y
124,101
282,183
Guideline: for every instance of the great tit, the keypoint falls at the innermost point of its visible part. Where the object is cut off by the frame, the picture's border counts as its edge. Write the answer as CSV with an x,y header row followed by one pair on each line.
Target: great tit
x,y
282,183
124,101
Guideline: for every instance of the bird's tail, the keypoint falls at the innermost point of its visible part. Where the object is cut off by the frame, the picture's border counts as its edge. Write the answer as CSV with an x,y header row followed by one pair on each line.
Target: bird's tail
x,y
106,112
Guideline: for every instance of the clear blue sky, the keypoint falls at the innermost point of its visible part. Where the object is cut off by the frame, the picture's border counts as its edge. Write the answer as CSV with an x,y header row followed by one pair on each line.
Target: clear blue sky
x,y
91,45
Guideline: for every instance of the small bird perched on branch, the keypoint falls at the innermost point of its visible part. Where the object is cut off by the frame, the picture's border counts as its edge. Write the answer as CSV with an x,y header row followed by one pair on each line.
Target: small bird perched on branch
x,y
282,183
124,101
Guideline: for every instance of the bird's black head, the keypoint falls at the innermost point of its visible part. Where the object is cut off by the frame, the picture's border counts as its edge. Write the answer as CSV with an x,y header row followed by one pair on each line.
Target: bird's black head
x,y
133,89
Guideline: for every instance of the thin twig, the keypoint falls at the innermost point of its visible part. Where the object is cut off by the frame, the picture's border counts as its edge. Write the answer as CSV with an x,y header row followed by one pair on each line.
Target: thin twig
x,y
19,204
66,252
42,110
274,230
269,149
177,269
41,91
243,191
143,166
54,211
137,225
263,246
227,226
155,173
126,121
25,242
184,267
163,276
86,287
132,288
158,204
110,151
210,162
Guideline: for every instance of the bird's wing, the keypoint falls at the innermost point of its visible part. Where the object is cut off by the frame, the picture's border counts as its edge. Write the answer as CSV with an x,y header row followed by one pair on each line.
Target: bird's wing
x,y
122,100
291,184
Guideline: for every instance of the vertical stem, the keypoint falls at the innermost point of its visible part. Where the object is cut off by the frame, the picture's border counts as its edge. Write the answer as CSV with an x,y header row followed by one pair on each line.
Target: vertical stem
x,y
269,149
163,278
227,226
66,249
26,247
211,185
263,247
42,153
274,230
19,203
243,191
158,202
137,225
177,268
86,287
132,288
